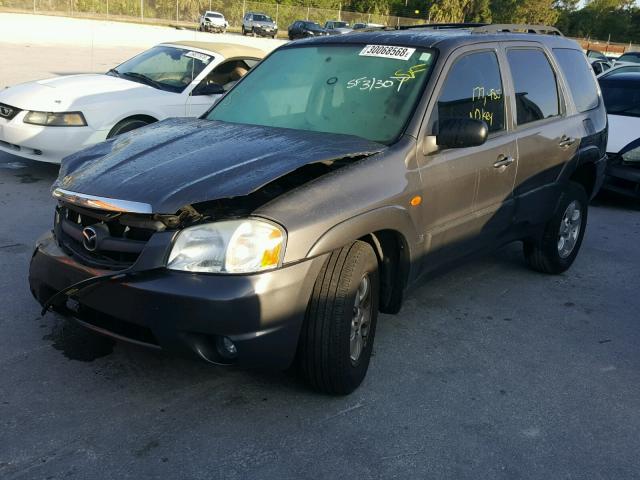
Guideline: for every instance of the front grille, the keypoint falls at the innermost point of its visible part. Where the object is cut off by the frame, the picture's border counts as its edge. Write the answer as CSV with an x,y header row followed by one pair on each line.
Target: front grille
x,y
8,112
103,239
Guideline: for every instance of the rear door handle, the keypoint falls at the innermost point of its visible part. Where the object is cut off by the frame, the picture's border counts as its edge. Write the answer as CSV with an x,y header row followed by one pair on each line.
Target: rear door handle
x,y
503,161
566,141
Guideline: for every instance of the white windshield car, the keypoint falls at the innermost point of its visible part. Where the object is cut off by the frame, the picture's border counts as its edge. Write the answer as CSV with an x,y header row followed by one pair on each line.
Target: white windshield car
x,y
213,22
49,119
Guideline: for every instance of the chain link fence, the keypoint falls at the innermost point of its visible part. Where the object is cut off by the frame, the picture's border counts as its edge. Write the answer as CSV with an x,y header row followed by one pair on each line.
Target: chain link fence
x,y
186,13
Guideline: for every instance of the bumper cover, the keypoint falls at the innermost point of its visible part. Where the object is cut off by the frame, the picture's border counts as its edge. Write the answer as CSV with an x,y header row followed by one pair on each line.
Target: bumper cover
x,y
186,313
45,144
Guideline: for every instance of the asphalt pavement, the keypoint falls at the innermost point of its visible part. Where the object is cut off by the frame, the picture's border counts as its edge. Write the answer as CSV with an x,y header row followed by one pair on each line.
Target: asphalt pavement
x,y
490,371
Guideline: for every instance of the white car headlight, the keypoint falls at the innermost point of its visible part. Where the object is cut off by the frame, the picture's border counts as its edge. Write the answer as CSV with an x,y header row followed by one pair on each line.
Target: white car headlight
x,y
56,119
632,155
233,246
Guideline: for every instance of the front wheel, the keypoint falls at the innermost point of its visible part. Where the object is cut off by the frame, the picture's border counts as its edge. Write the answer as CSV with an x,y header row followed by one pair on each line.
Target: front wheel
x,y
244,32
560,243
340,324
126,125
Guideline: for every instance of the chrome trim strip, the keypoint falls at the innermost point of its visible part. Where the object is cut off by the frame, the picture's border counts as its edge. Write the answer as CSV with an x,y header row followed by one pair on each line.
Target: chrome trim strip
x,y
101,203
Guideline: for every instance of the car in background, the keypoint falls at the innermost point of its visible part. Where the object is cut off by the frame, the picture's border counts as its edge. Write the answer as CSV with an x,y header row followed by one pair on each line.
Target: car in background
x,y
259,25
213,22
47,120
622,68
628,58
369,26
621,93
305,29
599,62
337,27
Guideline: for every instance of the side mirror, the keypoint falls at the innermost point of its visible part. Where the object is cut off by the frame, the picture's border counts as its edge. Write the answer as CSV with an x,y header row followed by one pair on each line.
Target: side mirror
x,y
461,132
208,89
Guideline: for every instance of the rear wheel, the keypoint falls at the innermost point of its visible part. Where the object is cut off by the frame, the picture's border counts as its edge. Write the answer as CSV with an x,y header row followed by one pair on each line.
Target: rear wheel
x,y
560,243
337,336
127,125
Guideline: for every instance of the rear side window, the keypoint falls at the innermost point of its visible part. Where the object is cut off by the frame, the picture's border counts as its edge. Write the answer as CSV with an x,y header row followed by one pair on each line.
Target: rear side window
x,y
577,71
473,89
535,85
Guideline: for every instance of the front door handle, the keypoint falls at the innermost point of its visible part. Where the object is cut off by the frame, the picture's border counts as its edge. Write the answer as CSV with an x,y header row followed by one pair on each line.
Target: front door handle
x,y
504,161
566,141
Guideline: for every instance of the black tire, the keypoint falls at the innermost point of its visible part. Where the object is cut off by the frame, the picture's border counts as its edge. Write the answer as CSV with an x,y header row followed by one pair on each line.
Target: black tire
x,y
243,31
253,33
543,254
324,356
127,125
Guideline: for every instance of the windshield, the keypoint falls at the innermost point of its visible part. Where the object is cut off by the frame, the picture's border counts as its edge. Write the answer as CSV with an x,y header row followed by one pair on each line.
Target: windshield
x,y
340,24
213,15
261,18
166,68
629,57
368,91
312,25
621,98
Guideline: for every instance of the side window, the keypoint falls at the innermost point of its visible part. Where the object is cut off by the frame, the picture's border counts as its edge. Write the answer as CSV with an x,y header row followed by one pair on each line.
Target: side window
x,y
227,74
473,89
535,85
576,71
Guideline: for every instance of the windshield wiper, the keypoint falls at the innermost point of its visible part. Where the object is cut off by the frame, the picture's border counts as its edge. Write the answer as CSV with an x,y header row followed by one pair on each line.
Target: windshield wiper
x,y
113,71
149,81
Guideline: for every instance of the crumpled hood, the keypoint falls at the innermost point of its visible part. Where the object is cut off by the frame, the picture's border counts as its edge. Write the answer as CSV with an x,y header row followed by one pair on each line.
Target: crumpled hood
x,y
181,161
71,92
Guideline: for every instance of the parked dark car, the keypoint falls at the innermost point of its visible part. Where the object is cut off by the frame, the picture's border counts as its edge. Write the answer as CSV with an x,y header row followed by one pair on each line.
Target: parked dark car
x,y
621,93
599,62
273,229
304,29
337,27
628,57
259,25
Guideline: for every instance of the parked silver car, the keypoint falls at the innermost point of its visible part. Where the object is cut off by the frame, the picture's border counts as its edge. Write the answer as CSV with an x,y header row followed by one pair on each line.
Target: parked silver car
x,y
259,24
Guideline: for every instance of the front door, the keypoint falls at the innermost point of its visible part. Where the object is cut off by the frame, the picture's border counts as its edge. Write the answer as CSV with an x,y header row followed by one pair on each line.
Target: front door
x,y
466,190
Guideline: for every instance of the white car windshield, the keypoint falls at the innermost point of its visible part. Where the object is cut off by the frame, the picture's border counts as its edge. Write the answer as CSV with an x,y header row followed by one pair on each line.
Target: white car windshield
x,y
163,67
369,91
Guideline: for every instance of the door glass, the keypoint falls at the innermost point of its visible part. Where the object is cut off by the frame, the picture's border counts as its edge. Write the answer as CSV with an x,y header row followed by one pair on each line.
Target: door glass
x,y
535,85
473,89
579,77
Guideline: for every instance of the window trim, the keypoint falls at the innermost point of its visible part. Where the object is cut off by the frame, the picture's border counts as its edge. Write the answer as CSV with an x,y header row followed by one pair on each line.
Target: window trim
x,y
560,87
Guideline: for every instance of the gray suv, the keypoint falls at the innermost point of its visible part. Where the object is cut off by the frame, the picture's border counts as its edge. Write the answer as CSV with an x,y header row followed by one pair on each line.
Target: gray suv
x,y
335,174
259,25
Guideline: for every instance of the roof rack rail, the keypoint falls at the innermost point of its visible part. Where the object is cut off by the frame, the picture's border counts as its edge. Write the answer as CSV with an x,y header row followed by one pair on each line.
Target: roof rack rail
x,y
442,26
517,28
487,28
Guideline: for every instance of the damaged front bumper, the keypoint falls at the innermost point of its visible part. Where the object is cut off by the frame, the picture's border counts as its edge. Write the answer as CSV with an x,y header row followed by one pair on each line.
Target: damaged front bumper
x,y
185,313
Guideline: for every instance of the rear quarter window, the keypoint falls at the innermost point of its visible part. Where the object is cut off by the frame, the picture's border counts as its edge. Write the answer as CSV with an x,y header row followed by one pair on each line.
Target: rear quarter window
x,y
577,72
535,85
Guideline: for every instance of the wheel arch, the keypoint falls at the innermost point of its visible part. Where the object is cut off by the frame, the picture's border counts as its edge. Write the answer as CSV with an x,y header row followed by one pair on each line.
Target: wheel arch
x,y
391,233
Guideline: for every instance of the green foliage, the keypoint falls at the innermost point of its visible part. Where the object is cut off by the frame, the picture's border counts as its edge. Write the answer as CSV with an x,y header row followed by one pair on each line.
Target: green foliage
x,y
597,19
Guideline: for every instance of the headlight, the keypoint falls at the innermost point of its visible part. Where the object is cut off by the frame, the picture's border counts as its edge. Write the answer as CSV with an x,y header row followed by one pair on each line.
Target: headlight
x,y
234,246
58,119
632,155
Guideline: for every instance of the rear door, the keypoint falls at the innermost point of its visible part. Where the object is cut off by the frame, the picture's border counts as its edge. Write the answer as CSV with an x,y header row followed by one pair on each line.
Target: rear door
x,y
460,182
547,134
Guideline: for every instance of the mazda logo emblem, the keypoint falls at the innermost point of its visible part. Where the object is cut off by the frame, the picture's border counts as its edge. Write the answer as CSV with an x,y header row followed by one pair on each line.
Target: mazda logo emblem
x,y
5,111
90,239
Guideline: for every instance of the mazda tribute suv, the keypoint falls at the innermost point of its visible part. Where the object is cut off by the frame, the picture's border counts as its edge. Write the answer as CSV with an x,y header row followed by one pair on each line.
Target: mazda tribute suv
x,y
272,230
